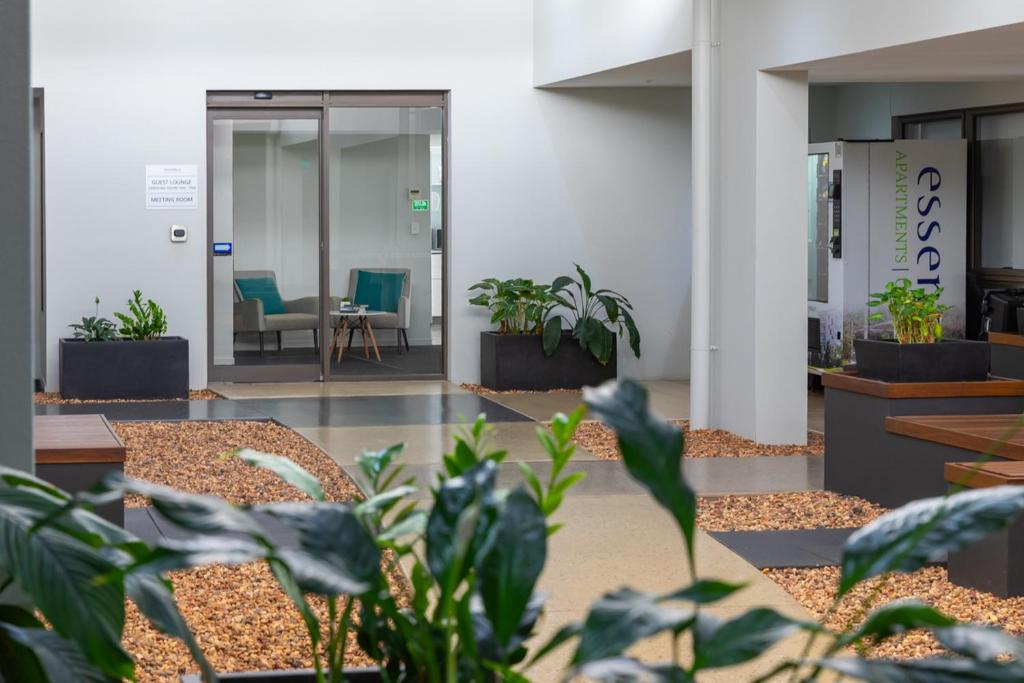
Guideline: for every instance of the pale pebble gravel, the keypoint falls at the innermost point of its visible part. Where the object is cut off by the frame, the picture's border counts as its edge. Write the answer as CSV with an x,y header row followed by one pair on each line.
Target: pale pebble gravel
x,y
782,511
814,588
239,616
190,456
484,391
702,443
52,397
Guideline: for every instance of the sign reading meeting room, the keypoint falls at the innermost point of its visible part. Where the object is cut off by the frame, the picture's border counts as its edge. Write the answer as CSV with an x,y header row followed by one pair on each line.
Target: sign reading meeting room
x,y
172,186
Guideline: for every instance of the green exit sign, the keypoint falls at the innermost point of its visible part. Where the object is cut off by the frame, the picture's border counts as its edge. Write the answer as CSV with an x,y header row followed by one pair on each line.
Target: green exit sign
x,y
421,205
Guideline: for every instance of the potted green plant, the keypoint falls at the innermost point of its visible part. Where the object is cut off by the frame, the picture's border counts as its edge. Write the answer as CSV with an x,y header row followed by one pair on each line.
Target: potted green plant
x,y
139,362
476,553
917,352
526,351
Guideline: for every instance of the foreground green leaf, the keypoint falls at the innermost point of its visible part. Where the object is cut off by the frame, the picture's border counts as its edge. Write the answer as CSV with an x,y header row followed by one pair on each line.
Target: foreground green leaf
x,y
651,449
895,618
621,618
59,659
905,539
285,468
726,643
936,670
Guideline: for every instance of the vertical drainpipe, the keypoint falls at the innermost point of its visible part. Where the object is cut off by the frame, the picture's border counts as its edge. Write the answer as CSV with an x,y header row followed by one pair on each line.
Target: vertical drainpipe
x,y
700,316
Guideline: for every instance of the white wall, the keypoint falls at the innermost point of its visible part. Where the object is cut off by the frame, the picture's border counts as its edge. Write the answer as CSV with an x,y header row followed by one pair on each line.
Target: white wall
x,y
539,179
576,38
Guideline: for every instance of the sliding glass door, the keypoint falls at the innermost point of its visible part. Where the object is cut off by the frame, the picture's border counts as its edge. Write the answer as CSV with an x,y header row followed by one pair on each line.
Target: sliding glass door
x,y
385,234
265,246
327,215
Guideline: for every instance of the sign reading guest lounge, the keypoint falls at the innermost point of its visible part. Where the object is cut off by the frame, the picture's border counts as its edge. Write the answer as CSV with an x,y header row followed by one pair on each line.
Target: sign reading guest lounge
x,y
172,186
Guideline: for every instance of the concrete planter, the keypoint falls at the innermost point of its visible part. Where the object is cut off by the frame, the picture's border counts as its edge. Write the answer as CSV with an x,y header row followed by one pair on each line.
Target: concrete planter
x,y
517,361
951,360
296,676
124,369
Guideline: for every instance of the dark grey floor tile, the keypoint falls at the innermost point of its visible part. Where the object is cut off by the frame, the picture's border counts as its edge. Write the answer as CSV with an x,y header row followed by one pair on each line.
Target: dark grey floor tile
x,y
139,522
796,548
768,474
357,411
159,411
277,532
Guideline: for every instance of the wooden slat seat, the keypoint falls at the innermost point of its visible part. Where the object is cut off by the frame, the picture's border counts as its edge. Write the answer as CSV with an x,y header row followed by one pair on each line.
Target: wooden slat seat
x,y
981,475
1001,435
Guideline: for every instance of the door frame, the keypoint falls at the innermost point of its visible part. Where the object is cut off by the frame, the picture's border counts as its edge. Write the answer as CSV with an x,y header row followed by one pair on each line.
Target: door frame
x,y
252,104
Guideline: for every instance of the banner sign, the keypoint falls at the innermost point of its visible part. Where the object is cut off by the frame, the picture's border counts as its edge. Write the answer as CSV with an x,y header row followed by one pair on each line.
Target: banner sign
x,y
918,209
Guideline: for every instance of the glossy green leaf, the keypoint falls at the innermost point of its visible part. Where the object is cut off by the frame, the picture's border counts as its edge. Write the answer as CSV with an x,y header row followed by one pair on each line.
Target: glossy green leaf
x,y
626,670
285,468
984,643
584,278
623,617
452,535
552,335
508,571
704,592
652,449
60,660
562,636
895,618
634,333
905,539
412,524
611,306
198,551
561,282
60,574
726,643
373,464
382,502
346,557
20,479
934,670
154,597
531,480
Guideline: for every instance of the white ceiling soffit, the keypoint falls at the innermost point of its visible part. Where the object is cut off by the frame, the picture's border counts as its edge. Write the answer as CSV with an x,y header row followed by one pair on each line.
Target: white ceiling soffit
x,y
987,55
668,71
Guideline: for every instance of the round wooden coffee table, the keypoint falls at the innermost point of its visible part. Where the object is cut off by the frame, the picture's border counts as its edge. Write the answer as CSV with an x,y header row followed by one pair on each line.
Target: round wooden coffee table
x,y
357,320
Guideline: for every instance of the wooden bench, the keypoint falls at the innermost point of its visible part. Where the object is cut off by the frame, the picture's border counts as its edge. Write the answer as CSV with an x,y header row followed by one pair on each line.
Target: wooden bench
x,y
995,564
74,452
1001,435
879,441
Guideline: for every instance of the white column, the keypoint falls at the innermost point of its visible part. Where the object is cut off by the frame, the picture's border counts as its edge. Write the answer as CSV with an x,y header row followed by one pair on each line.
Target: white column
x,y
700,312
15,226
780,258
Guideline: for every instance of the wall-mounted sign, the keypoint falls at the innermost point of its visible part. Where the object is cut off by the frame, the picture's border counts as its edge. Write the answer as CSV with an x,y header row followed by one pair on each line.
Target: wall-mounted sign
x,y
172,186
222,248
421,205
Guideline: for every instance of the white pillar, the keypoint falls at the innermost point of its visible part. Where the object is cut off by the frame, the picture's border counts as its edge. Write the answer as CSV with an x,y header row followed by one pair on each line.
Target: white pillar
x,y
15,227
700,315
780,258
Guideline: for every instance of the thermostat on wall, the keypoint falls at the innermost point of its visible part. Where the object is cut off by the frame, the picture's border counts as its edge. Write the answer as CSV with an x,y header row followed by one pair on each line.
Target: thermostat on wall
x,y
179,233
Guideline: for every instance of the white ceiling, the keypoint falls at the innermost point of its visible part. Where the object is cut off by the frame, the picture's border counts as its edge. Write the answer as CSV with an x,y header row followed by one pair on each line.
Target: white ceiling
x,y
988,55
669,71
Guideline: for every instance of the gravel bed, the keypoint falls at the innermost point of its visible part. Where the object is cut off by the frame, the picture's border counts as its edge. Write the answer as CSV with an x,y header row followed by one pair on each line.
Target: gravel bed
x,y
783,511
43,398
484,391
240,617
188,456
814,588
702,443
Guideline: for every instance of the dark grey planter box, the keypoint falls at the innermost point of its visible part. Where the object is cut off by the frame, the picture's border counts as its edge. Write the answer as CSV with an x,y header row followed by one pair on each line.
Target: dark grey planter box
x,y
124,369
994,564
296,676
517,361
950,360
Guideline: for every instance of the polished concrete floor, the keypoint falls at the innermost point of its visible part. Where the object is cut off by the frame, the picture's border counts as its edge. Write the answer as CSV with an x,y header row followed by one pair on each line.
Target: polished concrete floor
x,y
614,533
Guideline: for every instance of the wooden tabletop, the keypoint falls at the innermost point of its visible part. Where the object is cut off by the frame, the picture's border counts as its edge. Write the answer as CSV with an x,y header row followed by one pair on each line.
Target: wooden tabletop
x,y
982,475
1006,338
1001,435
76,439
852,382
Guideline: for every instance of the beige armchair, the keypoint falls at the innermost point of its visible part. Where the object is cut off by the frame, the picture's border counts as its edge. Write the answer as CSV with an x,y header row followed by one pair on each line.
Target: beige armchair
x,y
249,316
398,320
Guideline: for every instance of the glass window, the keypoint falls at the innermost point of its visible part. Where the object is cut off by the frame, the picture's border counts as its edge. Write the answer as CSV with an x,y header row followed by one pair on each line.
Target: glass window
x,y
817,227
936,129
1000,165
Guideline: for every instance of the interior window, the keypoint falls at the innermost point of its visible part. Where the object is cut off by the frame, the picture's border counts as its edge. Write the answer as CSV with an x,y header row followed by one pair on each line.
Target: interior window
x,y
1000,162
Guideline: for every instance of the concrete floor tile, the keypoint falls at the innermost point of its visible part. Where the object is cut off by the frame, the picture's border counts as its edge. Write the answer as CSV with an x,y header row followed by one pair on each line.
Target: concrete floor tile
x,y
316,389
426,444
669,398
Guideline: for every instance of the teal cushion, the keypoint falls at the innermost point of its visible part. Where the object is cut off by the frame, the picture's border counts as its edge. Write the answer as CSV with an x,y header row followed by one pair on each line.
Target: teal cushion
x,y
379,291
264,289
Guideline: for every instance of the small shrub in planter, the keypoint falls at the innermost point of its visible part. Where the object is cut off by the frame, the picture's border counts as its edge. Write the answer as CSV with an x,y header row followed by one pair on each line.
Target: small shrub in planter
x,y
476,553
526,352
139,364
918,353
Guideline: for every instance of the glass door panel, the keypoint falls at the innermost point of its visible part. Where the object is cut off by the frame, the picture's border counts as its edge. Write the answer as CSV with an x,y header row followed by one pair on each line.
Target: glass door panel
x,y
265,246
386,227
